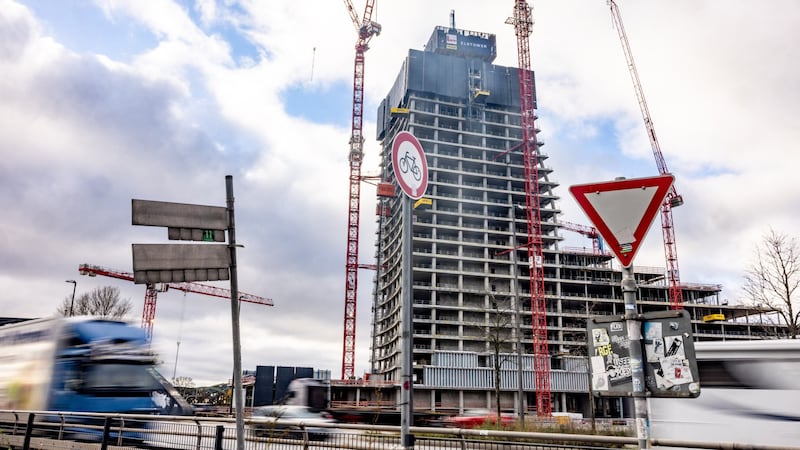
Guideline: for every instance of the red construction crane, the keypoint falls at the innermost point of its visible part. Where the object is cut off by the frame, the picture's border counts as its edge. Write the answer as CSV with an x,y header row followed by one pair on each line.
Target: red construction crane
x,y
672,199
523,22
151,294
365,29
590,232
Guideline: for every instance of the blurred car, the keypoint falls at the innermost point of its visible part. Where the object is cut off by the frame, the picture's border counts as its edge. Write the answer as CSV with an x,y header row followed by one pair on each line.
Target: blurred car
x,y
474,418
290,421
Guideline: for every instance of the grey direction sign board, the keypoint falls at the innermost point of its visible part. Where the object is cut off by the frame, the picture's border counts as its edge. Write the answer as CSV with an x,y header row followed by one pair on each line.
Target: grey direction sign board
x,y
183,221
670,364
166,263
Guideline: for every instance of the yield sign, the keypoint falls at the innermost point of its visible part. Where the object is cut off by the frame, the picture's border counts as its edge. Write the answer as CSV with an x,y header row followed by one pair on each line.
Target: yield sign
x,y
623,210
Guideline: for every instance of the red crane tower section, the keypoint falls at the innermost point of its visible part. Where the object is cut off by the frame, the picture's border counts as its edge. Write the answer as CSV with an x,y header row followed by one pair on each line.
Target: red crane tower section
x,y
365,28
672,199
151,294
523,22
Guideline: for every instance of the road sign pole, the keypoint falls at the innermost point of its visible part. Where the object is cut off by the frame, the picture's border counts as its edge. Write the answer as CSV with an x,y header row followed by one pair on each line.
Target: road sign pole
x,y
407,387
411,172
237,344
634,328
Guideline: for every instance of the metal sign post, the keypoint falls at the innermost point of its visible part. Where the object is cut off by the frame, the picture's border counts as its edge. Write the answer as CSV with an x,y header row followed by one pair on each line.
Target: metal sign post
x,y
166,263
407,389
622,211
237,343
636,364
411,171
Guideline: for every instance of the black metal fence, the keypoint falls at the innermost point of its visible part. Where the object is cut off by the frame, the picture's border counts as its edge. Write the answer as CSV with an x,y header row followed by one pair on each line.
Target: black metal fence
x,y
47,430
69,430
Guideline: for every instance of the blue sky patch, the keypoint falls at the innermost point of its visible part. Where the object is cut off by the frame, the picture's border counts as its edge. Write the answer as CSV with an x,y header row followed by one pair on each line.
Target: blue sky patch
x,y
242,48
225,26
82,27
596,143
328,106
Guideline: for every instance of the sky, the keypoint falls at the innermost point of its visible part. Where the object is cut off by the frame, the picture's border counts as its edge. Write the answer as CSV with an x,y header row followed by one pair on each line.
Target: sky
x,y
104,101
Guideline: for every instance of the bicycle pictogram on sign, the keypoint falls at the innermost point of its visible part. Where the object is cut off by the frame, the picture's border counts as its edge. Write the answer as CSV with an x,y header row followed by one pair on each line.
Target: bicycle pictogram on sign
x,y
405,166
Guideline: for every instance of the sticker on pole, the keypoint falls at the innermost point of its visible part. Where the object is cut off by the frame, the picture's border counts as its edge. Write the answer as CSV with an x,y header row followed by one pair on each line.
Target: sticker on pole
x,y
623,210
410,166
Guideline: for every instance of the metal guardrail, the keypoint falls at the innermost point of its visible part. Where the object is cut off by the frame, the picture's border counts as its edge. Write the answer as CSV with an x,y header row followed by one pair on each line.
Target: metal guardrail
x,y
69,430
52,430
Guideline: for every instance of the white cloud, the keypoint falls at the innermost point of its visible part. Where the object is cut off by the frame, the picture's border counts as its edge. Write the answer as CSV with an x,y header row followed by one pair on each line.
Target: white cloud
x,y
82,133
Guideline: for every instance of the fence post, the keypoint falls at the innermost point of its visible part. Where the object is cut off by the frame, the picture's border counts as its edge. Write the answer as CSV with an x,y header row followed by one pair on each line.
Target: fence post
x,y
199,434
106,433
26,443
306,439
121,429
61,426
218,437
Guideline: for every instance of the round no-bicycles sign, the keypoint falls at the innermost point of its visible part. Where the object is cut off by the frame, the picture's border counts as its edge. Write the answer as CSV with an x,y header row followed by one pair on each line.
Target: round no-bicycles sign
x,y
410,166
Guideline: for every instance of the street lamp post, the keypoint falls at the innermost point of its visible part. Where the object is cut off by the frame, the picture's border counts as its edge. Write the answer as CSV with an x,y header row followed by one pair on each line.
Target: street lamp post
x,y
72,302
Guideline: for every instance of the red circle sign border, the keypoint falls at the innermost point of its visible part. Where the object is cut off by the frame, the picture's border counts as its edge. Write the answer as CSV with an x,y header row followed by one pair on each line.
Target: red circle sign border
x,y
405,136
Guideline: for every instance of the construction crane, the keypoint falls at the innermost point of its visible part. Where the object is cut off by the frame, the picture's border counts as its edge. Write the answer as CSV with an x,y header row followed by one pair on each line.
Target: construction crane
x,y
590,232
151,294
365,29
673,199
523,22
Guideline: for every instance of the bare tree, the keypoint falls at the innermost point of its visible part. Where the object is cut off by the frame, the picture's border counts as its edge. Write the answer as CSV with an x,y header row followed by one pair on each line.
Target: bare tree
x,y
583,353
773,278
103,301
499,337
183,382
185,386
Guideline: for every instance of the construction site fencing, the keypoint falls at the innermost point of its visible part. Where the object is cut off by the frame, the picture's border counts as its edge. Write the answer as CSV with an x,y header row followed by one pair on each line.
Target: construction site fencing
x,y
53,430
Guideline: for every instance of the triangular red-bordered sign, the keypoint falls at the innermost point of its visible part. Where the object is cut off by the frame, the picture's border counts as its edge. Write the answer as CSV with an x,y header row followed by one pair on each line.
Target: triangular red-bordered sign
x,y
623,210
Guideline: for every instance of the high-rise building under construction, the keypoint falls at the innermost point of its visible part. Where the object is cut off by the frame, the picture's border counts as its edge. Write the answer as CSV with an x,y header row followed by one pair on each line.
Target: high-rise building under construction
x,y
470,269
